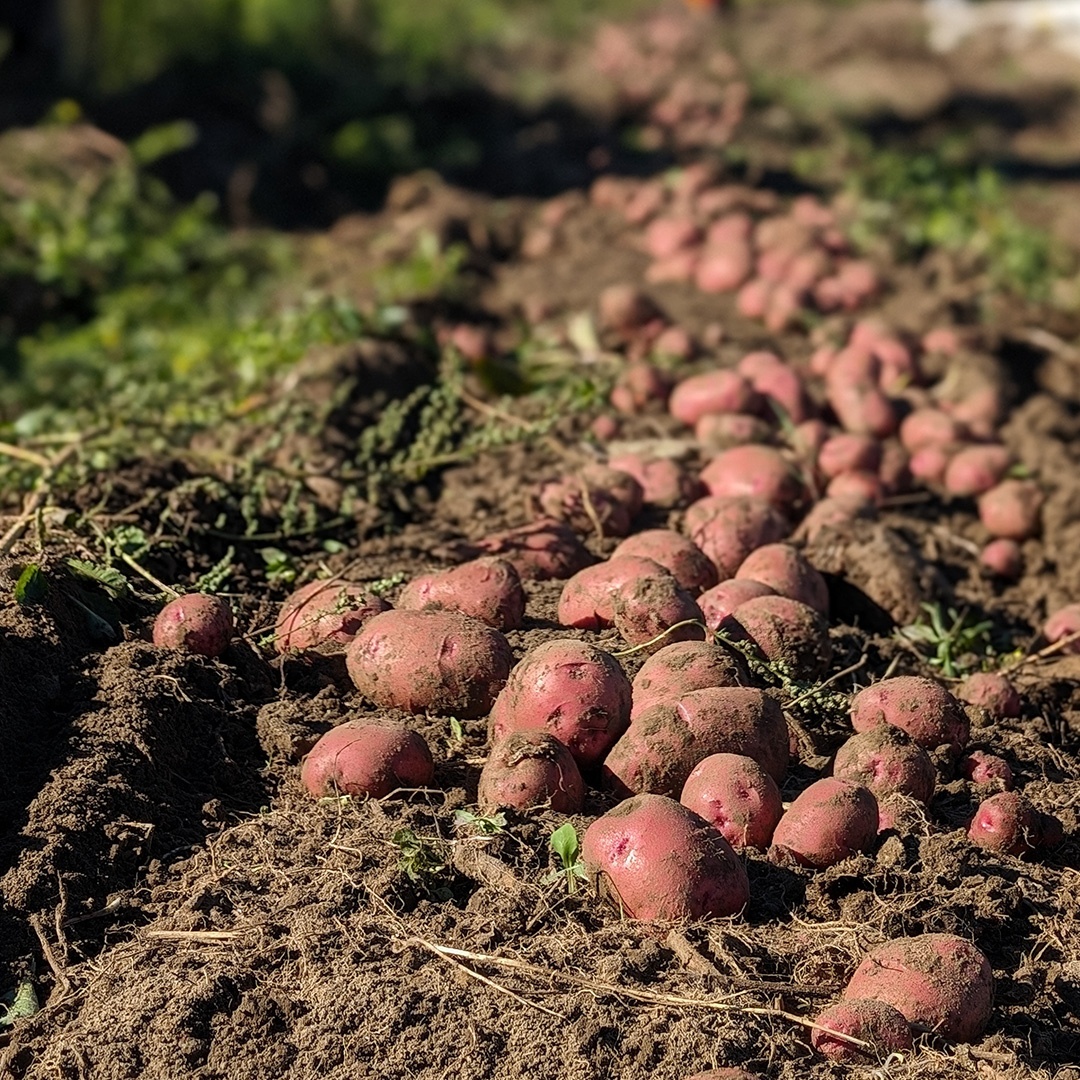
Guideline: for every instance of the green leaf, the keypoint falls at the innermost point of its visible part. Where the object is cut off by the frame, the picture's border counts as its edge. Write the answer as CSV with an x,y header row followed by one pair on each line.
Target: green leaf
x,y
108,577
24,1003
564,842
31,586
457,732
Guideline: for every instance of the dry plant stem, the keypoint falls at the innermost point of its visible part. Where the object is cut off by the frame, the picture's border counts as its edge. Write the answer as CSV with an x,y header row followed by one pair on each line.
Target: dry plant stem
x,y
37,498
207,936
648,997
34,458
830,680
141,570
590,510
660,637
58,970
1042,654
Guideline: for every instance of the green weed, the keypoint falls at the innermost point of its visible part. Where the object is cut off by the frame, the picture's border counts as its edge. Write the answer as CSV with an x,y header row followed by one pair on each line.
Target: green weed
x,y
949,639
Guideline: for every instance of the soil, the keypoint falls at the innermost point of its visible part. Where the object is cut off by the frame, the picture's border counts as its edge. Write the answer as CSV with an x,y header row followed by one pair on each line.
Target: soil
x,y
184,908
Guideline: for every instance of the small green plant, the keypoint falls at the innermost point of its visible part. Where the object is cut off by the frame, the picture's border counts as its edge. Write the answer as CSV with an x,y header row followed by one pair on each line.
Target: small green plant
x,y
383,585
214,580
31,587
279,565
418,857
18,1003
486,825
948,639
564,843
457,734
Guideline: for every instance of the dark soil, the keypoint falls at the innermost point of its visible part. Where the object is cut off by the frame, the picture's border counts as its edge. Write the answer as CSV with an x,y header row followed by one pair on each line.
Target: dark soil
x,y
184,908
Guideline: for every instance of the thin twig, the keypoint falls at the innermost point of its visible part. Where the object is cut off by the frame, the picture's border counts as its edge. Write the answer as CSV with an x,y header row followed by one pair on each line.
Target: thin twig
x,y
1042,654
36,499
590,509
32,456
58,969
208,936
660,637
141,570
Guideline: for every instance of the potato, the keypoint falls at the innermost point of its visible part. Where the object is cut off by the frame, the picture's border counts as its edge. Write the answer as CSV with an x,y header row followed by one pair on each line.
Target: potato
x,y
888,762
719,602
540,551
487,589
735,795
849,453
429,661
587,600
925,428
655,859
976,469
664,236
1062,625
757,472
1003,559
834,513
713,392
807,439
638,386
327,610
857,485
665,482
1008,824
1012,509
787,572
372,760
645,607
677,669
786,632
930,464
991,690
196,623
829,821
526,769
594,496
921,707
903,815
753,298
676,553
674,343
570,689
728,528
724,430
666,741
873,1022
625,309
782,388
937,981
982,768
724,270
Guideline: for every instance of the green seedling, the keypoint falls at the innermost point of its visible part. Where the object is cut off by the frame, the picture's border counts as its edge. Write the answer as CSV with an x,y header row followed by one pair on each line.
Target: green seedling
x,y
418,856
279,566
564,843
213,581
31,587
18,1004
486,825
948,637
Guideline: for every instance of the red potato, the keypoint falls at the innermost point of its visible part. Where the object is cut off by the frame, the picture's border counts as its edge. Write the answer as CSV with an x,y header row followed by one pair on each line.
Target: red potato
x,y
835,512
651,612
713,392
982,768
981,411
724,430
575,692
613,497
685,666
831,820
888,762
937,981
1008,824
821,360
782,388
735,795
849,453
540,551
1064,623
930,427
639,385
665,236
666,741
784,305
757,363
993,691
864,412
902,815
679,555
682,266
729,229
665,482
674,343
808,438
429,661
196,623
720,601
527,769
329,610
728,528
644,204
587,600
865,486
787,572
929,464
758,472
921,707
725,269
655,859
753,298
875,1022
942,339
362,759
1003,559
787,633
976,469
488,589
624,309
1012,509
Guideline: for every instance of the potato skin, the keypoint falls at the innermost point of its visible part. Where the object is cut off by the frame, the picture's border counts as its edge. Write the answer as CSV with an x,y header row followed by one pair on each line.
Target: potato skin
x,y
719,602
976,469
874,1022
540,551
829,821
615,498
921,707
575,692
587,600
888,762
1062,624
645,608
784,631
682,667
679,555
324,611
728,528
367,759
992,691
487,589
197,623
528,769
1012,509
1008,824
756,472
429,661
788,572
938,981
663,744
712,393
658,860
735,795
